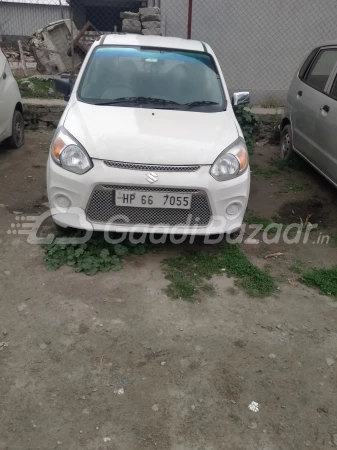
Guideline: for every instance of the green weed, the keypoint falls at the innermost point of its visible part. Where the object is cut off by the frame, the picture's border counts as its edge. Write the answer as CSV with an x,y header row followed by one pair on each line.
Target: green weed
x,y
278,167
41,88
250,125
333,240
266,172
254,219
95,256
323,279
188,273
298,267
294,163
295,187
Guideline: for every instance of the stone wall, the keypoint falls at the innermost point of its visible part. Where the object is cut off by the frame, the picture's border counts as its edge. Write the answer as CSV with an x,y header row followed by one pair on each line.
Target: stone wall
x,y
42,115
147,21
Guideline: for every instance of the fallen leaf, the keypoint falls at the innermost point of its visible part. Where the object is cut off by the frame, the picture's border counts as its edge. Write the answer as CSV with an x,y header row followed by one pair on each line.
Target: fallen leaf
x,y
274,255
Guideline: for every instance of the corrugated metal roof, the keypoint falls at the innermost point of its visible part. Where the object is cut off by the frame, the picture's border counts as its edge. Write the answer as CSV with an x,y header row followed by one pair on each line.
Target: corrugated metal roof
x,y
38,2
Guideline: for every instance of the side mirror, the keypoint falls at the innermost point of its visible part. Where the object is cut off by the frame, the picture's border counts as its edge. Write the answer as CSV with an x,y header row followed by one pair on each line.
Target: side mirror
x,y
241,98
64,86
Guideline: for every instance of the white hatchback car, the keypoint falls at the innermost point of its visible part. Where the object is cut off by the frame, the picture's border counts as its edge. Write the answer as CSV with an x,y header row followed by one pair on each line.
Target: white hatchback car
x,y
149,141
11,110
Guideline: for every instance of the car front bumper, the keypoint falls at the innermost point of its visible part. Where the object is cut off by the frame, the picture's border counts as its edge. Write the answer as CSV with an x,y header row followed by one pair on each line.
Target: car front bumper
x,y
87,201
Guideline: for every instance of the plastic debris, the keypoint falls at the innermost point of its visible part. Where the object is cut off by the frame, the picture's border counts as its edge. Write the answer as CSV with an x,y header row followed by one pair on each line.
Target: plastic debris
x,y
119,391
3,345
250,241
254,406
107,439
330,362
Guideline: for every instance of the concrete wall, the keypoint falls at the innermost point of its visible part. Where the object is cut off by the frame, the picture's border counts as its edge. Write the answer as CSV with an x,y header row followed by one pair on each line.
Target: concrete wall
x,y
260,43
22,19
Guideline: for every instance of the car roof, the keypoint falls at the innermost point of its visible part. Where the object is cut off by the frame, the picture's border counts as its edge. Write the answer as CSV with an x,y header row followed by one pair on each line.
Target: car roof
x,y
152,41
326,44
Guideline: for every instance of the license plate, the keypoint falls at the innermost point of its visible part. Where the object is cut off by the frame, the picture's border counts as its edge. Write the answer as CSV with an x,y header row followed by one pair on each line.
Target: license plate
x,y
139,199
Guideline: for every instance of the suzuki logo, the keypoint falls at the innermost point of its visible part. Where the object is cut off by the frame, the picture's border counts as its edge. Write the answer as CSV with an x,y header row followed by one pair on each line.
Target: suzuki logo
x,y
151,177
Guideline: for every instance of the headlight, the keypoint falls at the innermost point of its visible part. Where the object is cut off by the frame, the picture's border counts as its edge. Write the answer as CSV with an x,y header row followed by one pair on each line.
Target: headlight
x,y
232,162
69,153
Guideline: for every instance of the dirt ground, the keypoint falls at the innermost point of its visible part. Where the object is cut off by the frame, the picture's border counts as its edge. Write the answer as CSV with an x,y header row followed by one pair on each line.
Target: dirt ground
x,y
110,362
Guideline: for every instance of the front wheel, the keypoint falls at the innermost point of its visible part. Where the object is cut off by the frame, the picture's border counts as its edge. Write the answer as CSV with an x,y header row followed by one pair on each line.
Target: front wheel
x,y
18,131
286,144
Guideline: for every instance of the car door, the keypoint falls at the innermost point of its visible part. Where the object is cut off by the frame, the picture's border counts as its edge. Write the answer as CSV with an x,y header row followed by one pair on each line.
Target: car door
x,y
308,99
326,132
3,78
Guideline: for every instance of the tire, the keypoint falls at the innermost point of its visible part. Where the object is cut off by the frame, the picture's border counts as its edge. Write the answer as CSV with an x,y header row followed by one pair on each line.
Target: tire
x,y
18,131
286,143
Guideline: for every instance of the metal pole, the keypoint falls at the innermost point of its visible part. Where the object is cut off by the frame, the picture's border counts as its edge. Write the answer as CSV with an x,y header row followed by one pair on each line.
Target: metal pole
x,y
189,20
72,45
62,15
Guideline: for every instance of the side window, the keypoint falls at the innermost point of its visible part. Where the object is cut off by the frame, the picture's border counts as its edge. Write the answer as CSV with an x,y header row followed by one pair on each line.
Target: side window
x,y
321,69
333,92
307,63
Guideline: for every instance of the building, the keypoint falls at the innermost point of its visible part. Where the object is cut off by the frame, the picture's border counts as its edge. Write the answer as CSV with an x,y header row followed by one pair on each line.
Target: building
x,y
21,18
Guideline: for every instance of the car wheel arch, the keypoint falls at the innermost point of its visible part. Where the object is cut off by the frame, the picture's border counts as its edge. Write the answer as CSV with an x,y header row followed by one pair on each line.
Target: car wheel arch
x,y
285,122
19,107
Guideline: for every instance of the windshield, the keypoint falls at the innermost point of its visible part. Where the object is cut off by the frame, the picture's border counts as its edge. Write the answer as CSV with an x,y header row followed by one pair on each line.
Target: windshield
x,y
152,78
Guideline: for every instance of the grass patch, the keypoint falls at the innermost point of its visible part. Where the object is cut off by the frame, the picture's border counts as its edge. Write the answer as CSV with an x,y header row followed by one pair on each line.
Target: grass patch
x,y
190,272
95,256
254,219
278,167
295,187
298,267
266,172
294,163
41,88
333,240
323,279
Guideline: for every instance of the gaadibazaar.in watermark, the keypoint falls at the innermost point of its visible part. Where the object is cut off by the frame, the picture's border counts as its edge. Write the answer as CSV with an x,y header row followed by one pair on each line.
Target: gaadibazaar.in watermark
x,y
274,233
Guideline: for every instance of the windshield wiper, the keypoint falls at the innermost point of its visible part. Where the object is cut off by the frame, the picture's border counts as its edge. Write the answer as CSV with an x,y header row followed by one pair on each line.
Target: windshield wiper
x,y
201,103
138,101
159,101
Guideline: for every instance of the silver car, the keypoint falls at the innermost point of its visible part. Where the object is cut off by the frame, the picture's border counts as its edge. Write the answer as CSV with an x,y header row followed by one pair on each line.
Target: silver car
x,y
309,125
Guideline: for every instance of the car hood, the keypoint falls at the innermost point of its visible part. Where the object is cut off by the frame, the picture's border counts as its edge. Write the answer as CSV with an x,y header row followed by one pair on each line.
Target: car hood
x,y
151,136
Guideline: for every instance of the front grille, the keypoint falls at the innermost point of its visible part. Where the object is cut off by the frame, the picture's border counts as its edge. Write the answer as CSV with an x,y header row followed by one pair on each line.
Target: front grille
x,y
151,167
101,208
152,189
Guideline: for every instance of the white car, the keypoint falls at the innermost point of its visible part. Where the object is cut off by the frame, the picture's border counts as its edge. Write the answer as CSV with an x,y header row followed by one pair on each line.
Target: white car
x,y
11,110
149,142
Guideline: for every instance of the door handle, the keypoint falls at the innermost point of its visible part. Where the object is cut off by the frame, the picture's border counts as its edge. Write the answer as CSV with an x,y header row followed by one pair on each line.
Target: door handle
x,y
300,93
325,108
4,76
